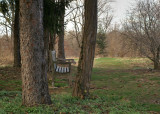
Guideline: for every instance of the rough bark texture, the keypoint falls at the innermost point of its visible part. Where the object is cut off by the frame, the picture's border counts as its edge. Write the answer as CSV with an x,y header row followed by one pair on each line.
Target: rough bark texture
x,y
82,83
34,70
46,47
17,56
61,52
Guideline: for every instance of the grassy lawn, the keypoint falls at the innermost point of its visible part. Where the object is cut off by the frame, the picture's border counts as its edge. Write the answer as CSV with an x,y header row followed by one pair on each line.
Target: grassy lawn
x,y
118,86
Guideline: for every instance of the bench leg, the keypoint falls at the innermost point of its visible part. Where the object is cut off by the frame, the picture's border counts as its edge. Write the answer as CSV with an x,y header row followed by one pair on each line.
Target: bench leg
x,y
53,78
70,80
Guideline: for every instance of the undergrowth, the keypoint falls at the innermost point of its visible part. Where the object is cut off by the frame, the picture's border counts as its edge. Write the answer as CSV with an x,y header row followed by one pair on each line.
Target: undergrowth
x,y
10,102
118,86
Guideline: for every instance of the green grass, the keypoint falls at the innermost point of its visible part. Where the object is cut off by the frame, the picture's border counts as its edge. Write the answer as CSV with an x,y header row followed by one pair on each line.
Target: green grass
x,y
11,85
122,63
67,104
118,86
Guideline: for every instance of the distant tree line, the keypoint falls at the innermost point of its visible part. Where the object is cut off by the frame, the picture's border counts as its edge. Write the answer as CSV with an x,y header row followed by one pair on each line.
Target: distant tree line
x,y
35,25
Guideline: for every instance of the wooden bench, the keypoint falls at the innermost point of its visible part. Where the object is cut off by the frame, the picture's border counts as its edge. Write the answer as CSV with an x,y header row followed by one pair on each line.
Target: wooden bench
x,y
59,65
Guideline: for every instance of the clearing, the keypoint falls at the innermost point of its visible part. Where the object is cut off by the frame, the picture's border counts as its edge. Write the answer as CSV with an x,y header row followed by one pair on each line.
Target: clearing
x,y
118,86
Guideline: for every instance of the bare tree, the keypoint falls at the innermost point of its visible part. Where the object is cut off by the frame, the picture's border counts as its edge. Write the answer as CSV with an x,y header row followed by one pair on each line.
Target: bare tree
x,y
105,13
10,15
143,27
76,17
7,13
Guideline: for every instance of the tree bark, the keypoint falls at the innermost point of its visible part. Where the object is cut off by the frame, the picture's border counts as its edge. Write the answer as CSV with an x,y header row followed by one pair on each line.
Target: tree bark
x,y
156,65
17,56
61,52
156,60
46,47
83,77
34,70
52,41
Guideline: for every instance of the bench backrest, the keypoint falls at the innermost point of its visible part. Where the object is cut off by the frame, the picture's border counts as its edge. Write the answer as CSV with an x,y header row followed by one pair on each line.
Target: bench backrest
x,y
56,67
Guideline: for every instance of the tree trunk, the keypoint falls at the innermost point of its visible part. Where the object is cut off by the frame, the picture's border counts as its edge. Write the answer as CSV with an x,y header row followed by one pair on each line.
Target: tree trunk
x,y
12,26
34,71
83,77
17,56
61,52
156,61
156,65
52,41
46,47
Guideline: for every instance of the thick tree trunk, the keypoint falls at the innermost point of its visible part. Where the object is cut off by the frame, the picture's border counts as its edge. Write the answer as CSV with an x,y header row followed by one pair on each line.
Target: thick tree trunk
x,y
17,56
34,71
61,52
156,65
46,47
83,77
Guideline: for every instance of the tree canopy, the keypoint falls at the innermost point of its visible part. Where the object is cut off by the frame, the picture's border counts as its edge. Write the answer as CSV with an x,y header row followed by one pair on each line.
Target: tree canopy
x,y
52,14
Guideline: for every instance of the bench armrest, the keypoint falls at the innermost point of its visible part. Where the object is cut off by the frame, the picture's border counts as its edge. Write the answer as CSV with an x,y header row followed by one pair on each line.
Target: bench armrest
x,y
61,62
67,60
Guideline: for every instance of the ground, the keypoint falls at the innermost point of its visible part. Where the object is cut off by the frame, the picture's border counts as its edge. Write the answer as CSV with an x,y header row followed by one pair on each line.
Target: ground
x,y
118,86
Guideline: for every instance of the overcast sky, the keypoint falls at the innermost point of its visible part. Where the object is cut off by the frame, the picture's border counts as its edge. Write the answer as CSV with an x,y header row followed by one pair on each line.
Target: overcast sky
x,y
120,7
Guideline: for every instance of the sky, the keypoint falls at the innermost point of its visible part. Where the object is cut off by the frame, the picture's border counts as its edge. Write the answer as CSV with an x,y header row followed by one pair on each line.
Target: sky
x,y
120,8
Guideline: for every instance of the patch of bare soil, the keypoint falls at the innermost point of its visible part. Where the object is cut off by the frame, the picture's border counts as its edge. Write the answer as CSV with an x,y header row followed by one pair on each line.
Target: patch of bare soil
x,y
10,73
58,90
135,71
